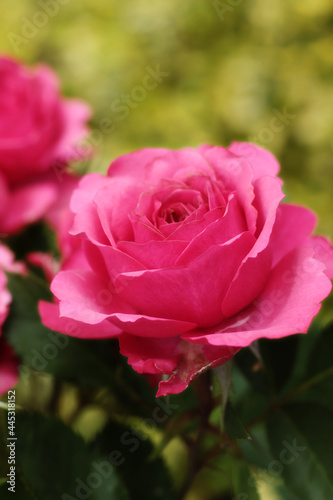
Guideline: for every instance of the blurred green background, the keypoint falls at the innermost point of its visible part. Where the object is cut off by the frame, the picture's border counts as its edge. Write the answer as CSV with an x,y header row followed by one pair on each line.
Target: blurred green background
x,y
232,69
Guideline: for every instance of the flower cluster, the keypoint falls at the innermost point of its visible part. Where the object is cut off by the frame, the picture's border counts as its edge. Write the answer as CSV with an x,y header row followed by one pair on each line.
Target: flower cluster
x,y
39,130
186,256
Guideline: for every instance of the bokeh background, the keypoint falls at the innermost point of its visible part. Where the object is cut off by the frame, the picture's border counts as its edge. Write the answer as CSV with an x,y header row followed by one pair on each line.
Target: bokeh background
x,y
230,69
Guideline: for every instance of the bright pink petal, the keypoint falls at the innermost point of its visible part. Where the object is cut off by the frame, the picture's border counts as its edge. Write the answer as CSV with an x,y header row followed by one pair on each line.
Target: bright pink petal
x,y
292,227
222,230
154,254
255,269
287,305
193,293
50,316
108,261
86,297
237,176
261,161
86,191
323,252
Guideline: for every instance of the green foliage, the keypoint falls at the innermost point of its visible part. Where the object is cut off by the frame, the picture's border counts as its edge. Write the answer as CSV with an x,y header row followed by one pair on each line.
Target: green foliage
x,y
301,440
145,477
54,463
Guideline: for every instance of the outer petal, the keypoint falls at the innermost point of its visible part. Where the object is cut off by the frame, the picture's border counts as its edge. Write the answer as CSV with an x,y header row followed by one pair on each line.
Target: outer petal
x,y
50,316
286,306
85,297
86,191
292,227
261,161
323,252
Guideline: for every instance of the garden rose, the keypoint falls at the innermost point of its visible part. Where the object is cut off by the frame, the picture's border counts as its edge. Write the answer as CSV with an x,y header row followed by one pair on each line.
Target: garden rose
x,y
188,256
8,360
39,133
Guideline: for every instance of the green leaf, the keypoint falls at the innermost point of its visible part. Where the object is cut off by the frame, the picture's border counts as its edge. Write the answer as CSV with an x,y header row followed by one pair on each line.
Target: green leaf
x,y
54,463
301,441
279,357
256,375
319,372
145,477
244,482
233,426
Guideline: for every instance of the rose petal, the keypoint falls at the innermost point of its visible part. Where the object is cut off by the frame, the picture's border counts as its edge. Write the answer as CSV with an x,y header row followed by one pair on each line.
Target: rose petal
x,y
287,305
254,271
50,316
154,254
218,232
86,297
323,252
236,175
261,161
292,227
192,293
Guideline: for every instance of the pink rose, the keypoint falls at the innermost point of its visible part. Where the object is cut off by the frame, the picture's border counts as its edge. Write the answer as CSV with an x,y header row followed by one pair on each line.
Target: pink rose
x,y
8,360
189,256
39,133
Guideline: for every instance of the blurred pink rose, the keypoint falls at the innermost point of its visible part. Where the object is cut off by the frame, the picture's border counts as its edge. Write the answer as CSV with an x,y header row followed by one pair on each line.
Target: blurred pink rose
x,y
39,134
8,360
189,256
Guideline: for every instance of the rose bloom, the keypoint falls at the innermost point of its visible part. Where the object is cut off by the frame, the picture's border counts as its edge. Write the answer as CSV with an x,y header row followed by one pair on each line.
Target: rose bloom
x,y
39,133
8,360
188,256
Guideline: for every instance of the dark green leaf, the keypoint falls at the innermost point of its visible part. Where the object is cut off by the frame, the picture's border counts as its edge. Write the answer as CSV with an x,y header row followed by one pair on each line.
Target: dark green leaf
x,y
301,440
256,375
54,463
279,357
145,478
233,426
